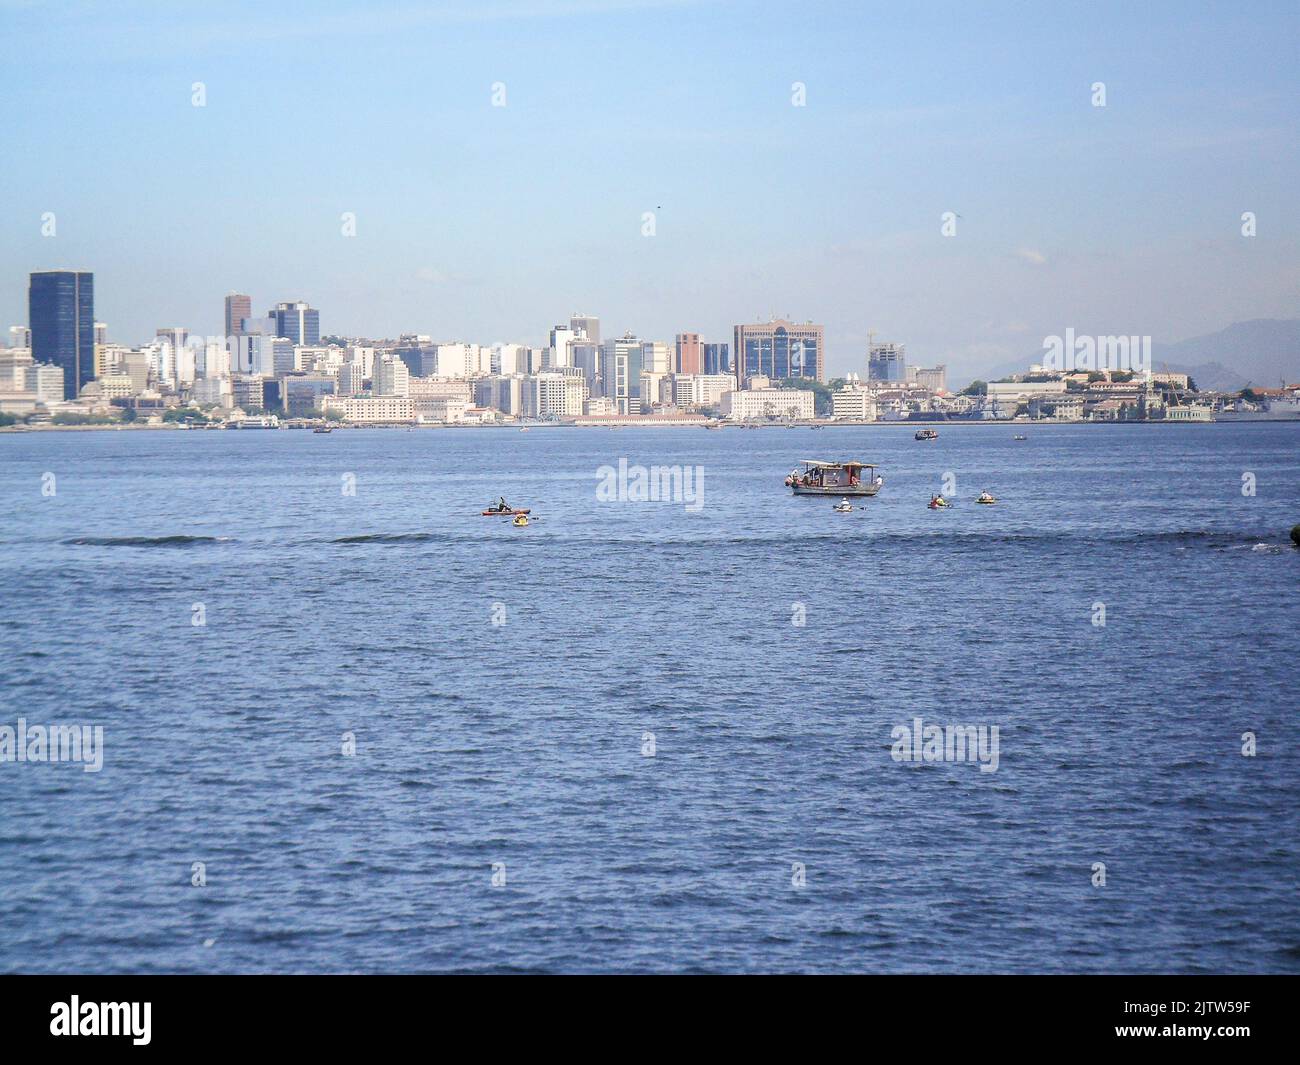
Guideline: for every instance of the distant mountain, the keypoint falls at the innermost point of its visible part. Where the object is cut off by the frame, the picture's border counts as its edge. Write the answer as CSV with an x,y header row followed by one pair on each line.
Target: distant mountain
x,y
1259,352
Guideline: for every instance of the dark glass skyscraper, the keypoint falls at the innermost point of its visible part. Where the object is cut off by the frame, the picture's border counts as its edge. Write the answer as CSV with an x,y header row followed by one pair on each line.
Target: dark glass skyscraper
x,y
778,349
298,322
61,314
717,359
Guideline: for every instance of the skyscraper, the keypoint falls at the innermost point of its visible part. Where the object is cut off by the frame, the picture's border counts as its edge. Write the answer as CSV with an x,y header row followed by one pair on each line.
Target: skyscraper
x,y
779,349
238,307
61,314
717,359
560,352
689,357
887,362
588,324
298,322
620,372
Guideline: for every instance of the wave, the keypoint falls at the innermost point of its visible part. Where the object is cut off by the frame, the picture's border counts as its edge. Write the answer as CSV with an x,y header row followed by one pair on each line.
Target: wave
x,y
1211,538
146,541
392,538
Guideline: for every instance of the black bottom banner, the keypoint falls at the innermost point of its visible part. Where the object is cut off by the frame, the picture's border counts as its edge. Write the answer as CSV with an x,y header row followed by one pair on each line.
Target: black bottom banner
x,y
349,1013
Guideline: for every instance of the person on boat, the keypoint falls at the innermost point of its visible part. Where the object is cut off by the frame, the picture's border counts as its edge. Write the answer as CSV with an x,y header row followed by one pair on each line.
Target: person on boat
x,y
985,497
501,506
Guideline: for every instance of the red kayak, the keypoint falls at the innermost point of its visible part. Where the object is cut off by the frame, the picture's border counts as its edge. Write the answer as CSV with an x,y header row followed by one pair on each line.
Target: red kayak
x,y
505,513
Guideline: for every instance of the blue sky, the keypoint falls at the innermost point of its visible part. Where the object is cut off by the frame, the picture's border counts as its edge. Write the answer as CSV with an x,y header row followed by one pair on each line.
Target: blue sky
x,y
486,223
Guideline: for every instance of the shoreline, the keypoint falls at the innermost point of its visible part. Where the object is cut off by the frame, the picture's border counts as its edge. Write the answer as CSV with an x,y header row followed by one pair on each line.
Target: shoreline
x,y
15,430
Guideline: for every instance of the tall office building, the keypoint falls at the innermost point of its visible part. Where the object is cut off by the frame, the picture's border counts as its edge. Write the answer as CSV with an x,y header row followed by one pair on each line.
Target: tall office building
x,y
586,325
717,359
656,357
887,362
779,350
586,357
238,307
620,372
61,314
392,378
560,354
689,357
299,322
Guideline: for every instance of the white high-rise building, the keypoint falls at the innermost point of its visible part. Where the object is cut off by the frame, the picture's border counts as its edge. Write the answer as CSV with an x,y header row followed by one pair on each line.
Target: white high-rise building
x,y
392,378
701,390
13,369
46,380
463,360
620,373
162,362
213,390
509,359
215,360
186,363
352,376
854,402
586,326
366,357
656,357
552,394
560,354
651,388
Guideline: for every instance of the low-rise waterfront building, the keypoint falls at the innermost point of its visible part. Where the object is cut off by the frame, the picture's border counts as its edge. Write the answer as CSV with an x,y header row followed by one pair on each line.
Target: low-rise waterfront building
x,y
371,410
767,403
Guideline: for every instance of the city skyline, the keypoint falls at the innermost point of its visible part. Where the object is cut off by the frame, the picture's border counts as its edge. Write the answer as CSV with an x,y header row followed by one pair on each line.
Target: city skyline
x,y
475,220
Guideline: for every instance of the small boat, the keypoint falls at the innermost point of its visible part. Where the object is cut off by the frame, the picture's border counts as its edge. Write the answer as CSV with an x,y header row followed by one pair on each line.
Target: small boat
x,y
938,503
512,512
926,434
843,507
834,479
1019,436
523,428
986,499
520,521
323,429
